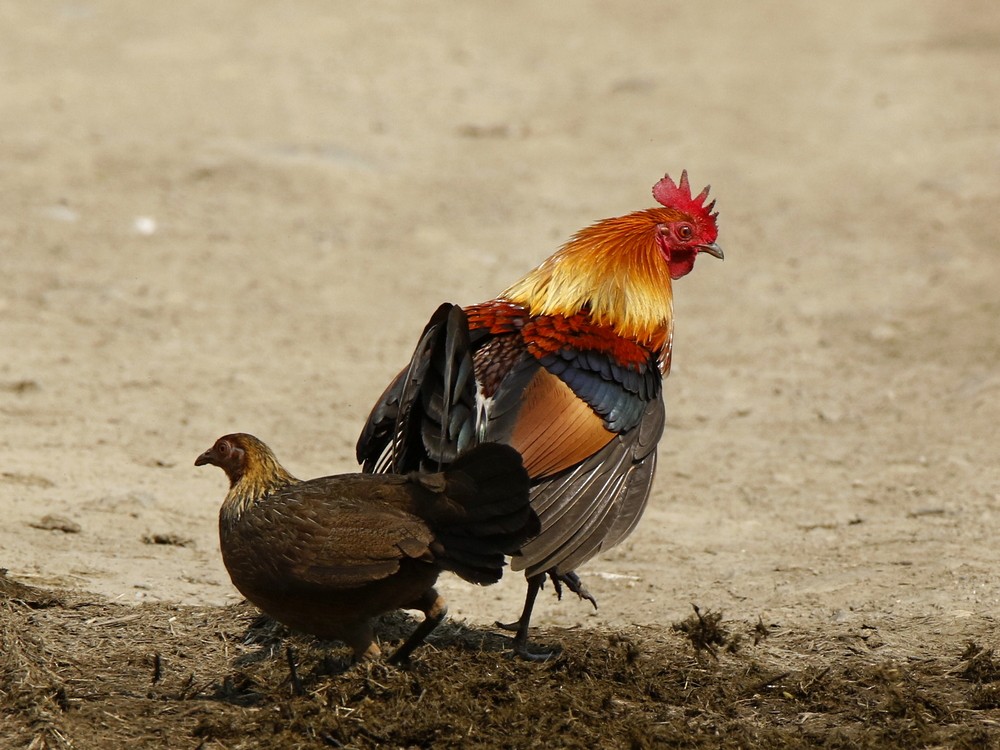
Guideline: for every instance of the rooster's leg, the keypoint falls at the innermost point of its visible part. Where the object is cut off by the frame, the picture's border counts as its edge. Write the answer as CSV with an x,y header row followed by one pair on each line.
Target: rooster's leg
x,y
521,626
573,583
534,585
434,609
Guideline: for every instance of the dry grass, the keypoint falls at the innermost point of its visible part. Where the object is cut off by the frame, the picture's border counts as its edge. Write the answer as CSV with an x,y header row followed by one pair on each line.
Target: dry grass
x,y
80,673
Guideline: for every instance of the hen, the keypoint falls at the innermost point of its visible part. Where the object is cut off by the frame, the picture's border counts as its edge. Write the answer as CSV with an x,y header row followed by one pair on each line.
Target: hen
x,y
326,555
568,363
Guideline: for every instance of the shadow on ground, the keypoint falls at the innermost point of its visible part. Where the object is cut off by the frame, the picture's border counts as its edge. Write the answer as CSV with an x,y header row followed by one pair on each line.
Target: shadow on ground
x,y
77,672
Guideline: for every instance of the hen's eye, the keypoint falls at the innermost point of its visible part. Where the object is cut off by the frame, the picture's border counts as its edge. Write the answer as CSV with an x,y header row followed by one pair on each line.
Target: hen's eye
x,y
684,231
222,449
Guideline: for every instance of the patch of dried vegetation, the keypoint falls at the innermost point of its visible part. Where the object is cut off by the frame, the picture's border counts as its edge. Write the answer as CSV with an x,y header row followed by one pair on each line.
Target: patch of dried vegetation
x,y
75,672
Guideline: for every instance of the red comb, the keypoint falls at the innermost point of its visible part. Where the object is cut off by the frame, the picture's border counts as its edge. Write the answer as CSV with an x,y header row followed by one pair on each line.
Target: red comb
x,y
671,195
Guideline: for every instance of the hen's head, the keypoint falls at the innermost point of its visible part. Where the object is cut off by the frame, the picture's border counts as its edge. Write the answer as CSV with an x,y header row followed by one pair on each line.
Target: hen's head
x,y
244,457
687,228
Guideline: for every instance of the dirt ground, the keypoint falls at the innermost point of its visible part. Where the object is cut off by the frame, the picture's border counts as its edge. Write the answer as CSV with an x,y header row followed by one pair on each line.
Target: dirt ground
x,y
239,215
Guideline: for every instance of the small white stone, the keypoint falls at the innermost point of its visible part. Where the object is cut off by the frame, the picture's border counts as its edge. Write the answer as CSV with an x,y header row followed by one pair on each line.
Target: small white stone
x,y
144,225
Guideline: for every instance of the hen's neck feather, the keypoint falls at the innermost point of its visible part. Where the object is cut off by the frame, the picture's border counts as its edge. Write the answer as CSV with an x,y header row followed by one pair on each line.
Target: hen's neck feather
x,y
261,476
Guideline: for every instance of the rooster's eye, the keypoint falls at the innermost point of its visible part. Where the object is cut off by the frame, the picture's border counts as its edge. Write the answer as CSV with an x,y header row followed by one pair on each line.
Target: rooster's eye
x,y
684,231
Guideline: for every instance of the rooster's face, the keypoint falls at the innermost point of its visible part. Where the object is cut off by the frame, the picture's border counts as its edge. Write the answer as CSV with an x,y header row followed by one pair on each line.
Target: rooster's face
x,y
681,241
692,232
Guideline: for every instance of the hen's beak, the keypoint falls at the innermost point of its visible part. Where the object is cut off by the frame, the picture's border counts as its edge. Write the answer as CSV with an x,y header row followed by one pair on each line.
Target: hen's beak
x,y
712,249
204,458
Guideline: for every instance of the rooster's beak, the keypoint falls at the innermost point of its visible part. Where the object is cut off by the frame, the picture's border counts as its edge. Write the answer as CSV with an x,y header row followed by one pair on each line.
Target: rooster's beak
x,y
712,249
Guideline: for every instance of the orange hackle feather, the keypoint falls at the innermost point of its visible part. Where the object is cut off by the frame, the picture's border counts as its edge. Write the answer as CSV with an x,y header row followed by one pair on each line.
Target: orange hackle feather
x,y
615,271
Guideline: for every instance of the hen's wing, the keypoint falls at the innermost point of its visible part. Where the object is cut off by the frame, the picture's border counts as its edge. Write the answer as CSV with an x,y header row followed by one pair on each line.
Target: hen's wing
x,y
325,534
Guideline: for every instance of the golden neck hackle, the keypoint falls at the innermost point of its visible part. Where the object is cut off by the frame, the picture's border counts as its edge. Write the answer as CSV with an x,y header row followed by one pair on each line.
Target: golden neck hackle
x,y
616,270
262,475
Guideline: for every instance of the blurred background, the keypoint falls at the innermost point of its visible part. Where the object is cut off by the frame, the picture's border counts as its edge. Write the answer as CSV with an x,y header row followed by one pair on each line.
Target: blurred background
x,y
238,216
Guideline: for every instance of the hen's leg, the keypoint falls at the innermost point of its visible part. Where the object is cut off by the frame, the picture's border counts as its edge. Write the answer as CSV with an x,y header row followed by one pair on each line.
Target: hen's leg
x,y
361,639
293,673
433,606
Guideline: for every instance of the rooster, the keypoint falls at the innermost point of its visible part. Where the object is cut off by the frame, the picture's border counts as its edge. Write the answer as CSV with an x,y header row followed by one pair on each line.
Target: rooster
x,y
568,365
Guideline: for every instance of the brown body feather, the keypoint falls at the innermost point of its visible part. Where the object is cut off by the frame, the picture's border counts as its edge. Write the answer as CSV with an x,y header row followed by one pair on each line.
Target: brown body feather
x,y
325,555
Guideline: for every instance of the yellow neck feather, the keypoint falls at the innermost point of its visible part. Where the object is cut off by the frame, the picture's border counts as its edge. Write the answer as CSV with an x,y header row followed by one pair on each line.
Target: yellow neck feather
x,y
262,476
614,269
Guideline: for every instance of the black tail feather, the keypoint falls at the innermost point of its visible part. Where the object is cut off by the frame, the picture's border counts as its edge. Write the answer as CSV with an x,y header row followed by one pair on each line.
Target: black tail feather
x,y
426,417
425,422
484,513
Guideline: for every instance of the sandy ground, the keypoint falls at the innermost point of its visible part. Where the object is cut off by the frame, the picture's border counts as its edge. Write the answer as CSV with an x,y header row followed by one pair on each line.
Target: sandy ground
x,y
238,216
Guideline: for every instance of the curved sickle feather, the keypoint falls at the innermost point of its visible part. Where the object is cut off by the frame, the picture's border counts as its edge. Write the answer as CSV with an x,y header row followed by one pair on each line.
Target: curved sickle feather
x,y
426,416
